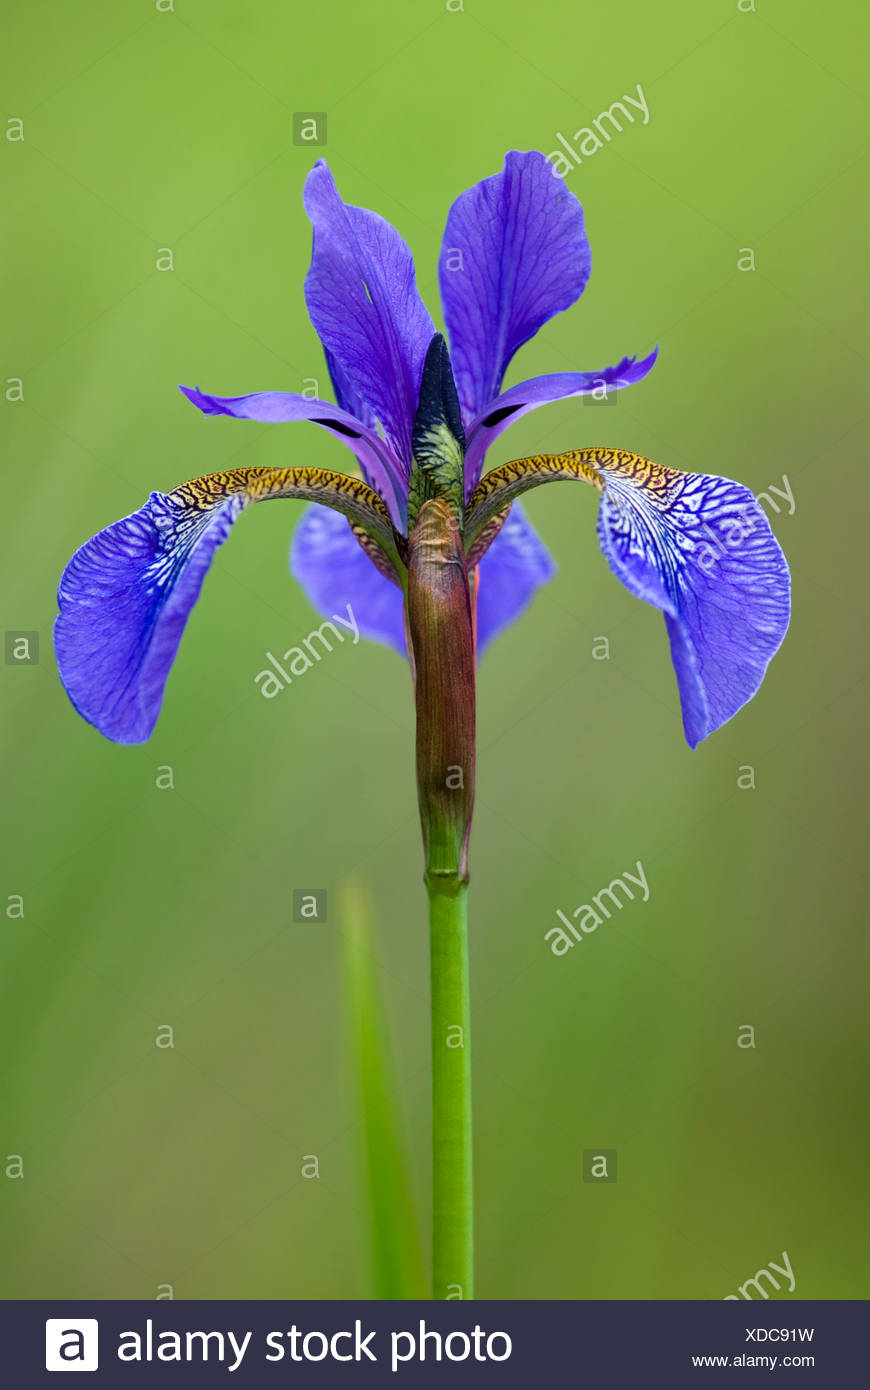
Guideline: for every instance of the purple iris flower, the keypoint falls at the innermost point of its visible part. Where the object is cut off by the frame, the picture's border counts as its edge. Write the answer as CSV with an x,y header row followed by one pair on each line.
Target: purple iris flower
x,y
515,253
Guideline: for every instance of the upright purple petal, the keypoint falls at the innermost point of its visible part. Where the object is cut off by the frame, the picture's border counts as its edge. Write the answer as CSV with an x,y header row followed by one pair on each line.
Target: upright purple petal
x,y
380,465
363,301
337,574
347,397
700,549
514,254
124,600
499,414
511,571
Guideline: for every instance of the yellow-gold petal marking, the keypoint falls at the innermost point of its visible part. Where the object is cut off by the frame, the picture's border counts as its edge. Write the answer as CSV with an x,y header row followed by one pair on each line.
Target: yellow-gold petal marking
x,y
501,486
346,494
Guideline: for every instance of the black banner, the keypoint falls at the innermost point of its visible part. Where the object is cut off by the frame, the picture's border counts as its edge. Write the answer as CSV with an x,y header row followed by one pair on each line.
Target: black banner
x,y
261,1343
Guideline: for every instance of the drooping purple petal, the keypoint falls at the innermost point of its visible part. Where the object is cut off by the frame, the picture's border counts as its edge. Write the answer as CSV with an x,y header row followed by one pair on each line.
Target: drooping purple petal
x,y
334,570
700,549
380,465
514,254
362,298
511,571
499,414
124,600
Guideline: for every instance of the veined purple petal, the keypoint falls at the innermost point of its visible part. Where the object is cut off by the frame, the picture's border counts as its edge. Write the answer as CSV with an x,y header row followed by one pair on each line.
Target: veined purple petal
x,y
124,600
380,466
334,570
700,549
511,571
499,414
363,301
514,254
347,397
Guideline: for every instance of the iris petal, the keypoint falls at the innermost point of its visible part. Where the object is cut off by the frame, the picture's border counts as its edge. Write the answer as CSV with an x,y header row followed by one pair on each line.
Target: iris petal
x,y
362,298
380,465
334,570
124,600
701,549
126,595
511,572
514,254
499,414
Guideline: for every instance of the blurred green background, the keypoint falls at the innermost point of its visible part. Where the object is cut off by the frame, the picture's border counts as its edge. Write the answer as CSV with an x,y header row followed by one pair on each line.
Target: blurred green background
x,y
145,128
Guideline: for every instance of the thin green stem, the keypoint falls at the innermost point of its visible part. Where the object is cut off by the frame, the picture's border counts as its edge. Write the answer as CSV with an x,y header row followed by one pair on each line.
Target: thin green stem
x,y
452,1210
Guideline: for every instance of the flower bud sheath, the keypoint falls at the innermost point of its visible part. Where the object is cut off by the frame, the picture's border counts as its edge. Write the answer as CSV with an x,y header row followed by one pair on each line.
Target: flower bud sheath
x,y
441,634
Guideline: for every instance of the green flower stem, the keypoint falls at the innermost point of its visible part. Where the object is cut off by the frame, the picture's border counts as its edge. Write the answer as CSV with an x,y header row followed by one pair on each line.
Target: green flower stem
x,y
452,1210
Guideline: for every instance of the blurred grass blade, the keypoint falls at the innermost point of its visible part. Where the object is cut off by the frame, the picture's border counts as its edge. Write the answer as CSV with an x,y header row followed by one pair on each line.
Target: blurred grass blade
x,y
394,1241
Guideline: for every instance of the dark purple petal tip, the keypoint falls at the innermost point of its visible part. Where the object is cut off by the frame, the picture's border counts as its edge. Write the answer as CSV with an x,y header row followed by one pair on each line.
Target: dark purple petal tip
x,y
202,402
